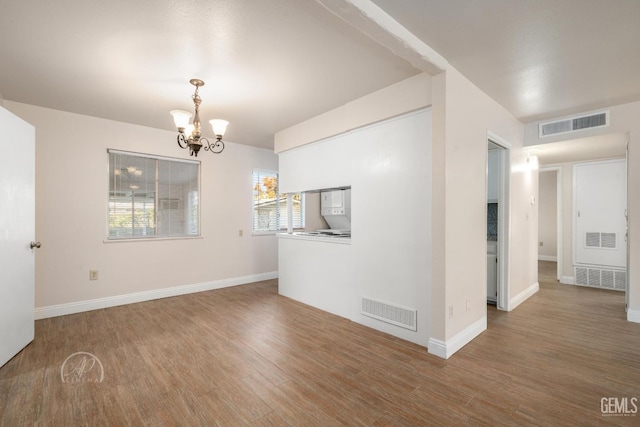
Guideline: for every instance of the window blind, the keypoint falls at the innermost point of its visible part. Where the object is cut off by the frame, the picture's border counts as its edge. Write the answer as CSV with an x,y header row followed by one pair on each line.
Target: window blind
x,y
151,196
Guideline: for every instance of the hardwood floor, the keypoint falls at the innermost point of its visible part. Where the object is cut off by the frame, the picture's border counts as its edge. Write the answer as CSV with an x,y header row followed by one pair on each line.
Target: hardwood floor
x,y
246,356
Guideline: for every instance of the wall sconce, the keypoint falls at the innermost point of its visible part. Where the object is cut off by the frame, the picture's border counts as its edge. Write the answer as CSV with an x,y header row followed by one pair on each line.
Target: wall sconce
x,y
190,135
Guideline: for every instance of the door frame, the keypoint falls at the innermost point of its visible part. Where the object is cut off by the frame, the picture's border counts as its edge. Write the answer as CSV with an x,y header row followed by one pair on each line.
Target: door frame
x,y
559,217
504,237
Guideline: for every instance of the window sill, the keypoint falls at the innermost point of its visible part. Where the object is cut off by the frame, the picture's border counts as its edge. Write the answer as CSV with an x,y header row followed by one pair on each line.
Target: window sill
x,y
271,233
150,239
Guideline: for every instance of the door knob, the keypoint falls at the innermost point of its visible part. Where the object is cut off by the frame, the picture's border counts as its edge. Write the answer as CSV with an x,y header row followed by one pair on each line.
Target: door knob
x,y
35,245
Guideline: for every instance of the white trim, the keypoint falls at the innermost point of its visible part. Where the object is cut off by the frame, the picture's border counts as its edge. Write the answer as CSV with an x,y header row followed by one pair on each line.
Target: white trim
x,y
568,280
633,316
523,296
547,258
113,301
498,140
446,349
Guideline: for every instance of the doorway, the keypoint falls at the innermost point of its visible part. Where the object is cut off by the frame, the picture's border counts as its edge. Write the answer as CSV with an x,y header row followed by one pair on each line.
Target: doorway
x,y
497,191
550,217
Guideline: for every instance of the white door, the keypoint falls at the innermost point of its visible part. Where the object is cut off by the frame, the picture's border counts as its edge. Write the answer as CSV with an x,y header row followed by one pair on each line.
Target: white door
x,y
17,230
600,201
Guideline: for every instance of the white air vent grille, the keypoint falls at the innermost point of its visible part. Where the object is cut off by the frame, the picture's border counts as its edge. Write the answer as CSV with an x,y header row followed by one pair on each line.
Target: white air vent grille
x,y
606,279
592,240
620,280
600,240
574,124
601,278
608,240
390,313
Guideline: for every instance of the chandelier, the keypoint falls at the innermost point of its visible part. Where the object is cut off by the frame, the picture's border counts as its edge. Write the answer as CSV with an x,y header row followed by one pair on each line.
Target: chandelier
x,y
190,135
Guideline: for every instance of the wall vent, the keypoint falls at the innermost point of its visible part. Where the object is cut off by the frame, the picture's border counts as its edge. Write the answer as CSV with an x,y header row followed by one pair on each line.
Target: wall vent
x,y
390,313
574,124
600,240
601,278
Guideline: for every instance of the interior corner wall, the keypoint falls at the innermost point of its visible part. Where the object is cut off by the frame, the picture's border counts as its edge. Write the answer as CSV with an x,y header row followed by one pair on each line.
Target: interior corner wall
x,y
463,117
71,214
439,213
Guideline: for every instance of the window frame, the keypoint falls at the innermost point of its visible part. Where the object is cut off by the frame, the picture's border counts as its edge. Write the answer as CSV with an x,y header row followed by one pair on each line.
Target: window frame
x,y
157,200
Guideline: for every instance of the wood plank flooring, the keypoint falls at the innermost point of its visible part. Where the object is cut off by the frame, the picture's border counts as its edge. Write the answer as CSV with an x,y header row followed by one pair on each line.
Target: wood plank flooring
x,y
247,356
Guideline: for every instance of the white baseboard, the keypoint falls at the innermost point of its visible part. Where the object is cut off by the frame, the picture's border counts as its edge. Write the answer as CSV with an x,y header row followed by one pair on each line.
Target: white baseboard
x,y
446,349
568,280
98,303
523,296
547,258
633,316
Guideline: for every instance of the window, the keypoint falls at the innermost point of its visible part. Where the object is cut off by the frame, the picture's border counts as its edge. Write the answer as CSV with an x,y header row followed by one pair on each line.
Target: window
x,y
270,207
152,196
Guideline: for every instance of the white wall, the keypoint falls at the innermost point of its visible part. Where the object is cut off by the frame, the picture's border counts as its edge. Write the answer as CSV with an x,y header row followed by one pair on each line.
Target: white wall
x,y
405,96
71,216
548,216
387,167
463,117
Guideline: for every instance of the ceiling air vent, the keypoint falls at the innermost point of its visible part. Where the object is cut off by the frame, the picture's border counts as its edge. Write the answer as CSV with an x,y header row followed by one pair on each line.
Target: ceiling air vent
x,y
574,124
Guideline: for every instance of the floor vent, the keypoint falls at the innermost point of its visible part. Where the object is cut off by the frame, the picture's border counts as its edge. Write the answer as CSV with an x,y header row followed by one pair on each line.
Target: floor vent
x,y
601,278
394,314
574,124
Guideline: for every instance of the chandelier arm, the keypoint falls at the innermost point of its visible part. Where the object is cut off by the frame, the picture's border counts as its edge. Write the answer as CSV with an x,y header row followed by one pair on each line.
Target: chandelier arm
x,y
216,148
183,142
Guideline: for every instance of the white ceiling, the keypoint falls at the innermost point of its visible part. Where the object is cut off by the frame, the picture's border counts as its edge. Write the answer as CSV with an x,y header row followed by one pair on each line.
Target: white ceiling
x,y
269,65
537,58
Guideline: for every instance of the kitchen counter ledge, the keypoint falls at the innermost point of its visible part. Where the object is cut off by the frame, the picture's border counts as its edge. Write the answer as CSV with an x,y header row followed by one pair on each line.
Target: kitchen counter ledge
x,y
315,238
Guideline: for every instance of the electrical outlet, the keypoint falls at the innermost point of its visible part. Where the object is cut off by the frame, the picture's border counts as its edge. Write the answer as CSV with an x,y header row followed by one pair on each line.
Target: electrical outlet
x,y
93,274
